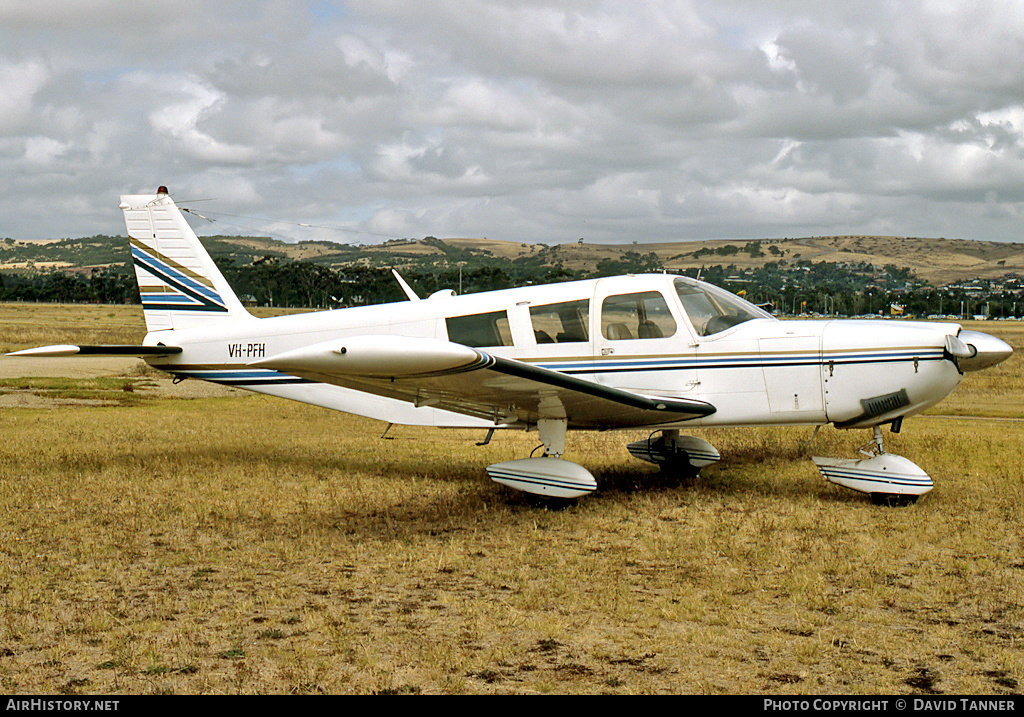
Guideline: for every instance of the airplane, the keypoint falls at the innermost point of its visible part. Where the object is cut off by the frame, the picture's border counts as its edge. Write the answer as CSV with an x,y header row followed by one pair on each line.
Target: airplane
x,y
659,352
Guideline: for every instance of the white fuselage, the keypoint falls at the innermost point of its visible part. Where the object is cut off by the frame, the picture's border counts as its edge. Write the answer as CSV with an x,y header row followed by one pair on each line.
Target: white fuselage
x,y
762,371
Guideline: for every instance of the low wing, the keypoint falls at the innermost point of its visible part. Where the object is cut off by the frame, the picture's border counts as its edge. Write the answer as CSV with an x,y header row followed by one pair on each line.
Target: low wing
x,y
64,350
431,372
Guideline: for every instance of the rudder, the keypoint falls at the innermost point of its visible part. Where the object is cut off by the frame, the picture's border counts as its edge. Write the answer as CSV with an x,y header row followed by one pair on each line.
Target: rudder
x,y
179,283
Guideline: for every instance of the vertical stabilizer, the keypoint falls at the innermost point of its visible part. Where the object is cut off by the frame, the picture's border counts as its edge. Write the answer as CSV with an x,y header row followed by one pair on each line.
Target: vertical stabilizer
x,y
180,285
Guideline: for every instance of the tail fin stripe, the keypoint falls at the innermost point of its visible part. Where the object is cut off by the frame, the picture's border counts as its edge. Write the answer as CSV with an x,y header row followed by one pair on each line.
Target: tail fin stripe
x,y
152,253
179,280
176,284
165,295
207,300
199,302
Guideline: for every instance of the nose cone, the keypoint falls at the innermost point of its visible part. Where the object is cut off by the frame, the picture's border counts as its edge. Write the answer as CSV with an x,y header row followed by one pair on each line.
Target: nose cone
x,y
987,351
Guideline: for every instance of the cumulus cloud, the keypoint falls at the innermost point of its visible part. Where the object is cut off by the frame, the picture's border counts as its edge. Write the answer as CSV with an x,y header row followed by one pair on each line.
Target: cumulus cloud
x,y
20,82
523,120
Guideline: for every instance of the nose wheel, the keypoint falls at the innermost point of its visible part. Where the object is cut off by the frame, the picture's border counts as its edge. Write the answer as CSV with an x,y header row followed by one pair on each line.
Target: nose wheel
x,y
888,479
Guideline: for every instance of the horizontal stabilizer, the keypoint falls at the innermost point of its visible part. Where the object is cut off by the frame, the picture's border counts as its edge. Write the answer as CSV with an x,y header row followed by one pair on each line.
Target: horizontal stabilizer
x,y
64,350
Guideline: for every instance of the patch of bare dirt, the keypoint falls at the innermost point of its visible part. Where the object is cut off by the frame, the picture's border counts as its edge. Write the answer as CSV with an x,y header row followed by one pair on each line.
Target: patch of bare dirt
x,y
156,385
91,367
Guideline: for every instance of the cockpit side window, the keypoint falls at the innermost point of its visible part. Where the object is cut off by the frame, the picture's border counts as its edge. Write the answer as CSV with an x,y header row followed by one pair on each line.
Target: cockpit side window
x,y
490,329
643,315
712,310
565,322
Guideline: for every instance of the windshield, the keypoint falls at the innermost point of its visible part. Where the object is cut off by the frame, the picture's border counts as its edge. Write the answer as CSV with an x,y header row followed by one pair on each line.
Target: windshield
x,y
712,309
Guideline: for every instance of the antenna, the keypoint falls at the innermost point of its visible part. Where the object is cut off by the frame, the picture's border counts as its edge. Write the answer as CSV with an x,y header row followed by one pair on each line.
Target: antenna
x,y
405,287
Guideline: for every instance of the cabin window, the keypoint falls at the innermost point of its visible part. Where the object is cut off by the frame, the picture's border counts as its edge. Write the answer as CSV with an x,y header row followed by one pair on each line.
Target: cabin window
x,y
561,323
643,315
712,310
479,330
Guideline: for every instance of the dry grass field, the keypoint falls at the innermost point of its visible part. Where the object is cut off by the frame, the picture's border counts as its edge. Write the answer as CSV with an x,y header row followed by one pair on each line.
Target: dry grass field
x,y
232,543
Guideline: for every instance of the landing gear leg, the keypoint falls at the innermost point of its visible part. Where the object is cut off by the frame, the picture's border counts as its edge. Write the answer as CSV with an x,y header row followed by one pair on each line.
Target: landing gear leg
x,y
873,447
677,460
552,434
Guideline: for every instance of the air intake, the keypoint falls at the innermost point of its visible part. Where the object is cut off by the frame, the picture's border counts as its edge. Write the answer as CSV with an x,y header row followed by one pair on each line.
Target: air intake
x,y
884,404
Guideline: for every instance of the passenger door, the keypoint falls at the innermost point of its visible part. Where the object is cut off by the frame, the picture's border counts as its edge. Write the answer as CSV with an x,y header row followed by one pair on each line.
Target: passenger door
x,y
640,341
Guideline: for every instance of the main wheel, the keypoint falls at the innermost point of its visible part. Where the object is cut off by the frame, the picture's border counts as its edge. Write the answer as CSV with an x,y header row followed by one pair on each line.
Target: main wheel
x,y
679,467
894,500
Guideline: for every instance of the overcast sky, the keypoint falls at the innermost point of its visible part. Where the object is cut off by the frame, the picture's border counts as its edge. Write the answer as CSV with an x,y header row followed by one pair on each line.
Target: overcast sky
x,y
528,121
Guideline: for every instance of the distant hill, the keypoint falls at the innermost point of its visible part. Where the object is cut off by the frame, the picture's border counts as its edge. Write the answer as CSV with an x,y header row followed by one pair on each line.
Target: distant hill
x,y
935,261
